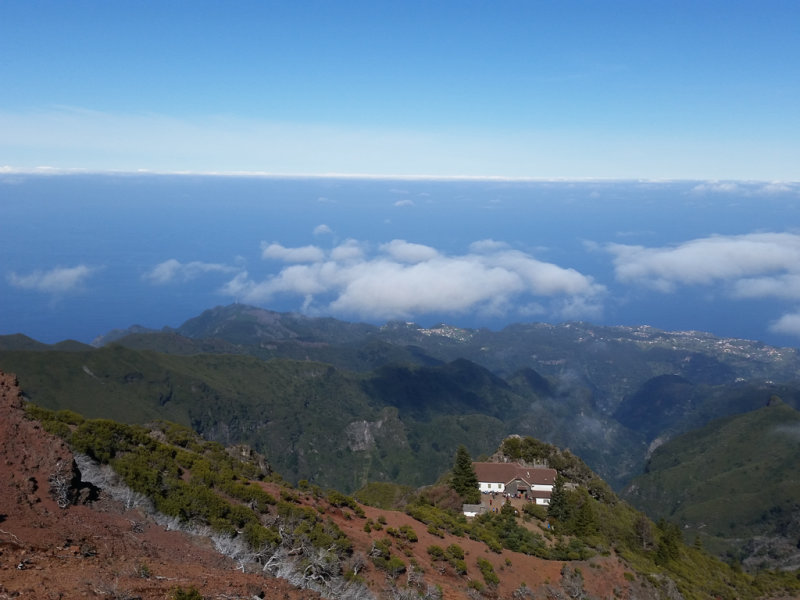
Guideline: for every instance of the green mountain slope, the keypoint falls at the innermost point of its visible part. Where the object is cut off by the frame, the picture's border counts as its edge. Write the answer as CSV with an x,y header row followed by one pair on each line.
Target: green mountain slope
x,y
615,360
618,372
312,420
604,392
735,483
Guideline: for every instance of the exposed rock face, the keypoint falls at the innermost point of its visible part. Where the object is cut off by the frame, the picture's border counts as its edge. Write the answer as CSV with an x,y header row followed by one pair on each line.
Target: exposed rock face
x,y
35,467
361,435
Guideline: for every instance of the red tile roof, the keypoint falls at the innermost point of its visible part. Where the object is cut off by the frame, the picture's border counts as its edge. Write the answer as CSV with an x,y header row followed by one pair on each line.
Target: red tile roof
x,y
505,473
540,494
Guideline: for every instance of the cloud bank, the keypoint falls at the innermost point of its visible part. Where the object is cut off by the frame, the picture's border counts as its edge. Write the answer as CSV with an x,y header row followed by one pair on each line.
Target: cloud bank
x,y
758,264
746,188
788,324
401,279
750,266
172,270
60,280
305,254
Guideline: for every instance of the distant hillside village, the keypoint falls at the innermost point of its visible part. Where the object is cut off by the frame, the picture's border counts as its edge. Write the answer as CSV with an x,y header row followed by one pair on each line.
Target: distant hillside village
x,y
511,480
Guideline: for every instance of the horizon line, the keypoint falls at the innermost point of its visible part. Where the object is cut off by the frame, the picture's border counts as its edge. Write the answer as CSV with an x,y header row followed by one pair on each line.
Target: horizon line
x,y
57,171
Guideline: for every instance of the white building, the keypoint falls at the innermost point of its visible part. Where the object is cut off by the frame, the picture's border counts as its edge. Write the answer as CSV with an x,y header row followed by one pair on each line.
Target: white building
x,y
512,478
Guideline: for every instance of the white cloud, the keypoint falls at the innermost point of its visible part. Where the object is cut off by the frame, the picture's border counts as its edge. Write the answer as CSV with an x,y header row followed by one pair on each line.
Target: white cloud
x,y
172,270
746,188
322,230
404,279
718,187
55,281
785,286
735,259
787,324
408,252
482,246
304,254
238,286
404,203
384,288
349,250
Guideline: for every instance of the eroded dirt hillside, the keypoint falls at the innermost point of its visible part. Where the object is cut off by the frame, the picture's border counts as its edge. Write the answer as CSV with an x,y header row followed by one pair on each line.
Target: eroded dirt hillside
x,y
93,549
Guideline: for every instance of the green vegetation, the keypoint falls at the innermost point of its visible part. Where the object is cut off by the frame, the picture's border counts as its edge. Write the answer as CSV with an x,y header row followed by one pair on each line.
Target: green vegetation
x,y
737,478
195,485
279,406
180,593
404,532
463,479
436,552
454,554
284,382
338,499
383,558
569,466
202,483
588,519
487,570
385,495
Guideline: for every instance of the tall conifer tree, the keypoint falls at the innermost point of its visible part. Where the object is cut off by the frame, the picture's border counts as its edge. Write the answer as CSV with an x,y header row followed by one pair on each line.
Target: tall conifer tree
x,y
464,480
558,508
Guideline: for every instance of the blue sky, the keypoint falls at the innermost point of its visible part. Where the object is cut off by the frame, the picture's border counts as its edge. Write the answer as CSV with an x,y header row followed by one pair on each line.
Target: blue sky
x,y
699,90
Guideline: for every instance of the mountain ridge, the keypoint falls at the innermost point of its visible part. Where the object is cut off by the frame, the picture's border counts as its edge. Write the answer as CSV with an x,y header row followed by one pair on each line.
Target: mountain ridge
x,y
572,384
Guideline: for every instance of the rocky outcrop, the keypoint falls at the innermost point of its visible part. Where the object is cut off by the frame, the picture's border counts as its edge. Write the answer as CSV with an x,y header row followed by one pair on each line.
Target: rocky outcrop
x,y
36,468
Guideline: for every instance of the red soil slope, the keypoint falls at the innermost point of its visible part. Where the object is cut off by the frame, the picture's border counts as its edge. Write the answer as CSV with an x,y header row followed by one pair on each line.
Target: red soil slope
x,y
96,550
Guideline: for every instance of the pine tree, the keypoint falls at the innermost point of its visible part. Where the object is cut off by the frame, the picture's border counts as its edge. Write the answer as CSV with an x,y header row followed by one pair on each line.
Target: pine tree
x,y
464,480
558,509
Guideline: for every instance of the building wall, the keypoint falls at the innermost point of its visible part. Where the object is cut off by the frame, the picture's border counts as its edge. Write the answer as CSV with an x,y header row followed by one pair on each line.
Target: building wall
x,y
487,487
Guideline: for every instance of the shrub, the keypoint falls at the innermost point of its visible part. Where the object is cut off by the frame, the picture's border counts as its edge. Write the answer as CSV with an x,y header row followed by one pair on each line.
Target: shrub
x,y
455,551
459,565
408,533
487,570
534,510
179,593
102,440
288,496
143,570
395,566
434,530
257,536
436,552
